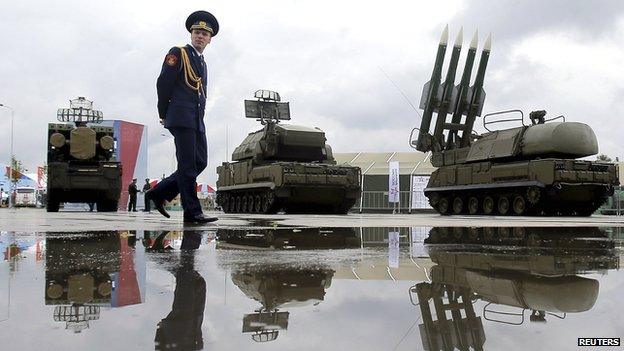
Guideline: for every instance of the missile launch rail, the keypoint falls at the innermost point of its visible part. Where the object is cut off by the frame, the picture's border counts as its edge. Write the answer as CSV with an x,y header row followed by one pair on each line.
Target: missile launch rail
x,y
528,170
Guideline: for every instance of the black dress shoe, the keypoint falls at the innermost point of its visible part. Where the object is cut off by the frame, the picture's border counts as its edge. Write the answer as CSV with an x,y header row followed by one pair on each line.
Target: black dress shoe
x,y
159,203
200,218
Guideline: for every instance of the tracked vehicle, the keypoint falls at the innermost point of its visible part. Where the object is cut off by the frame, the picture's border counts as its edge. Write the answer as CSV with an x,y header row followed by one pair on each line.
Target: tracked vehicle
x,y
540,273
532,169
284,167
81,159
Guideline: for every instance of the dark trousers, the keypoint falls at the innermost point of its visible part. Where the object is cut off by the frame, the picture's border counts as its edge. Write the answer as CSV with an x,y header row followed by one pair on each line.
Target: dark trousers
x,y
148,205
192,155
132,203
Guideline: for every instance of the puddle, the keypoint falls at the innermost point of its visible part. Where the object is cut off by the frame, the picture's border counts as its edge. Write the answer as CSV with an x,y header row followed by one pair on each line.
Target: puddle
x,y
284,288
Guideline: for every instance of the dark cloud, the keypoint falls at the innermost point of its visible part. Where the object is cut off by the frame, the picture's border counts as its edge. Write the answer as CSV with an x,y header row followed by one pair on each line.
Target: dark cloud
x,y
511,20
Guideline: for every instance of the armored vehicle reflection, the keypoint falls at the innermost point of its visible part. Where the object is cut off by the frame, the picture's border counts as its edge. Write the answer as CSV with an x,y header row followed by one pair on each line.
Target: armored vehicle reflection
x,y
78,277
532,273
277,289
528,170
277,286
284,167
81,159
288,238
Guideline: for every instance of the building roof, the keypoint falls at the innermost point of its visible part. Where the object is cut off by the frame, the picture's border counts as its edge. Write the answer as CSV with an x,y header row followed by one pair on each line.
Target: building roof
x,y
376,163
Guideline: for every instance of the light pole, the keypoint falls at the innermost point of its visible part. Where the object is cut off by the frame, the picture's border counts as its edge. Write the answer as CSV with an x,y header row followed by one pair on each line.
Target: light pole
x,y
10,157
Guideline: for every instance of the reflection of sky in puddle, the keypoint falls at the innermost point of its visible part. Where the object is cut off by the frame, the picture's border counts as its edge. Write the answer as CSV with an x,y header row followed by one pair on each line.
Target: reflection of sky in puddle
x,y
297,287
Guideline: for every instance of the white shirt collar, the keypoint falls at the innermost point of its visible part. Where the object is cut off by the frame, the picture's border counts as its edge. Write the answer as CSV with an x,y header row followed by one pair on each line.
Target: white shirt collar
x,y
198,53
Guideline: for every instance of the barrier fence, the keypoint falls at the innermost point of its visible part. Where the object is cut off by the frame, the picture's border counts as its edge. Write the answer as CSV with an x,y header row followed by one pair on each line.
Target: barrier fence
x,y
372,201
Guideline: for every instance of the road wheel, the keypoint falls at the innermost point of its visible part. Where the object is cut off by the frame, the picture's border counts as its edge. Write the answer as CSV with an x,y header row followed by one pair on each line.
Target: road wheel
x,y
488,205
268,203
232,204
519,205
519,232
458,205
257,204
238,206
503,233
533,195
473,205
250,203
244,204
443,205
488,232
503,205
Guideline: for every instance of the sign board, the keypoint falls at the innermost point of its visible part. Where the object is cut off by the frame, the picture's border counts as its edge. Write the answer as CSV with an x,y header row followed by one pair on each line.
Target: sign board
x,y
393,249
393,182
419,183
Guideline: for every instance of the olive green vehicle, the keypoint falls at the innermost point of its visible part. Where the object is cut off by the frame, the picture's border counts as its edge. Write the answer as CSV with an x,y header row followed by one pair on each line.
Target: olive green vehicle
x,y
532,169
539,273
279,286
81,159
284,167
78,276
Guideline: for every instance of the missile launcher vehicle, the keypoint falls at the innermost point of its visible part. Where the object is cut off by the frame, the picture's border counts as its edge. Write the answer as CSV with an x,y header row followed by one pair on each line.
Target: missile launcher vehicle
x,y
542,273
532,169
284,167
81,159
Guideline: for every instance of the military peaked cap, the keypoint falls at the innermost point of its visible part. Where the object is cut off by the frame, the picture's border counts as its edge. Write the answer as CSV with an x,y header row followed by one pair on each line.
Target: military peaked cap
x,y
202,20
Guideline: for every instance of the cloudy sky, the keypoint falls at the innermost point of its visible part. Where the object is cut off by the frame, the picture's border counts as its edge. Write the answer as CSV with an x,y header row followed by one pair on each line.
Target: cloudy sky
x,y
327,58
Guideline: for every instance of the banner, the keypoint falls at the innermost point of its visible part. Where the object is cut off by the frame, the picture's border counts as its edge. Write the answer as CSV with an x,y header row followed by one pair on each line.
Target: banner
x,y
417,240
393,181
393,249
40,177
419,183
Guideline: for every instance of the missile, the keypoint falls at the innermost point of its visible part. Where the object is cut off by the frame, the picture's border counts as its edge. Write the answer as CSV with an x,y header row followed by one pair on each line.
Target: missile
x,y
477,94
428,99
461,100
446,98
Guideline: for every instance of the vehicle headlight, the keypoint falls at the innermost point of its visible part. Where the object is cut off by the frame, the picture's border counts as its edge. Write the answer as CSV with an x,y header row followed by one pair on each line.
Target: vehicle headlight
x,y
107,142
57,140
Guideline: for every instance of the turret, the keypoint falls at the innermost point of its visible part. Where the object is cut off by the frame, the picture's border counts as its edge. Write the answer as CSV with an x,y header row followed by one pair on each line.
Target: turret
x,y
280,142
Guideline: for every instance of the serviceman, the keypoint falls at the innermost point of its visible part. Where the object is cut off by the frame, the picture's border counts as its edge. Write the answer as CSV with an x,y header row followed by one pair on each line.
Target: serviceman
x,y
182,87
146,187
132,191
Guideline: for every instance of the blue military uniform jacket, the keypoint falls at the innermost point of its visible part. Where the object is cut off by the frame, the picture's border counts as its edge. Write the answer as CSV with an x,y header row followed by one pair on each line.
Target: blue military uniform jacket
x,y
179,105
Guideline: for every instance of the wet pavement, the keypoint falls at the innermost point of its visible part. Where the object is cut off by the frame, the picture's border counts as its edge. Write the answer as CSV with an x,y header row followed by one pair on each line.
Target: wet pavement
x,y
272,285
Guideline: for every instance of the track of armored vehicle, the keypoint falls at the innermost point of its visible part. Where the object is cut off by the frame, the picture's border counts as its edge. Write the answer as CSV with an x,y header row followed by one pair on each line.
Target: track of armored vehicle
x,y
284,167
533,169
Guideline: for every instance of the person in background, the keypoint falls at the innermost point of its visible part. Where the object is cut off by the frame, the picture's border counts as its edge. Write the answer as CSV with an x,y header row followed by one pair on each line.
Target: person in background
x,y
132,191
146,187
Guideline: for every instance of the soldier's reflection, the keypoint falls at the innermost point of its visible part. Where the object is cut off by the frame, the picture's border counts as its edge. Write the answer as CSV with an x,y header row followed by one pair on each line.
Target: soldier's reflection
x,y
181,328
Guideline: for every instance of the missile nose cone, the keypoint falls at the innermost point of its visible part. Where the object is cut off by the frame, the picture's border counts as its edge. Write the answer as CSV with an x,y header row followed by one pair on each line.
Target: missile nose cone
x,y
475,40
488,43
460,37
444,37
